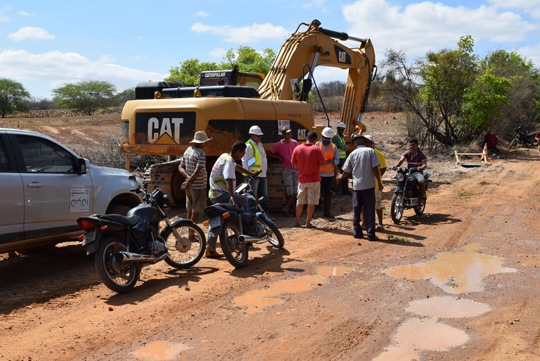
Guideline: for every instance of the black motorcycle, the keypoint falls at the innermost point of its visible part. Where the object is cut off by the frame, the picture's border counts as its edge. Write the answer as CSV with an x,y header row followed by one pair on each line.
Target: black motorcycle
x,y
522,137
406,194
239,228
125,244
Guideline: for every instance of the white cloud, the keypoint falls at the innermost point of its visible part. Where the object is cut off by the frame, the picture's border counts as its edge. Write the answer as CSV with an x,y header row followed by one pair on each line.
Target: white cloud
x,y
218,53
531,53
424,26
52,69
24,13
29,32
313,4
244,34
530,7
4,19
140,38
201,14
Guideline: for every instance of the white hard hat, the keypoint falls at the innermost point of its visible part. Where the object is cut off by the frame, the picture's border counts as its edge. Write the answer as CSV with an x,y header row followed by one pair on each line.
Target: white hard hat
x,y
327,132
256,130
369,137
341,125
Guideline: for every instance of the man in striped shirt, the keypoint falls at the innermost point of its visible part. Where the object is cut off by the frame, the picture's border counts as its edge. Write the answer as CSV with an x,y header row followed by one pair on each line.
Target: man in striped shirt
x,y
193,169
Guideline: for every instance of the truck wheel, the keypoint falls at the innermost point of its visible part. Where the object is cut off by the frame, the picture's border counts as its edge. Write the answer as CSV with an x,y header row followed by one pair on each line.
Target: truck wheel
x,y
117,208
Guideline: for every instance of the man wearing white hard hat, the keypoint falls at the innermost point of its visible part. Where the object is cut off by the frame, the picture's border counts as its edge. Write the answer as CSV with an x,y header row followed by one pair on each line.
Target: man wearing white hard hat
x,y
331,155
193,168
255,160
339,141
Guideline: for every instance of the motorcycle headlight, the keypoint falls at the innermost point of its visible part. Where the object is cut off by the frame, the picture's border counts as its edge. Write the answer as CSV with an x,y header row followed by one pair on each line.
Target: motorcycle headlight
x,y
400,177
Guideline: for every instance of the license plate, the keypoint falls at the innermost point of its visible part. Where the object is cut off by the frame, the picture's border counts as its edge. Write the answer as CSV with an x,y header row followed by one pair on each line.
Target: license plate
x,y
215,222
89,238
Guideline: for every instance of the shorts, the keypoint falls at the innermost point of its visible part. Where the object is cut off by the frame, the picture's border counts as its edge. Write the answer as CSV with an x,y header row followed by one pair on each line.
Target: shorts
x,y
308,193
195,200
419,176
378,200
290,179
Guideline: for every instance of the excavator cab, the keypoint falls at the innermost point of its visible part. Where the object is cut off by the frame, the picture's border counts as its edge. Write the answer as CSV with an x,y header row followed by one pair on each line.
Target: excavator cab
x,y
230,77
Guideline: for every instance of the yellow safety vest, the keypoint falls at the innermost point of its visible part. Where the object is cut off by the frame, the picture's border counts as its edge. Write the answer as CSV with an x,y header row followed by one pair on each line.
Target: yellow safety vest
x,y
330,153
342,153
255,167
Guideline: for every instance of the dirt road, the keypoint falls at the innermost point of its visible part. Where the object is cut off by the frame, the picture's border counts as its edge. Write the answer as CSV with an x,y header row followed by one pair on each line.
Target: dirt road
x,y
460,282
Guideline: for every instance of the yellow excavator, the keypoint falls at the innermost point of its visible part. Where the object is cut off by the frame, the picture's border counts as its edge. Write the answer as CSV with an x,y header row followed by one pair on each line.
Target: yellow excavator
x,y
164,124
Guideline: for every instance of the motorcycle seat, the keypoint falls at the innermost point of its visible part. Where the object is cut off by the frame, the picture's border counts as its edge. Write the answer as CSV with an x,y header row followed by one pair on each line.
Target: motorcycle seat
x,y
127,221
228,206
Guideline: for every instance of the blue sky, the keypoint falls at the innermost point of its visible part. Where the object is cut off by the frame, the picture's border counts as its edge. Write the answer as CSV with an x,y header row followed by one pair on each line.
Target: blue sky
x,y
45,44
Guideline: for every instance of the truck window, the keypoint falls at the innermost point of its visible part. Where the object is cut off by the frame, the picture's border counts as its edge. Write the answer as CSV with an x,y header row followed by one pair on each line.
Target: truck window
x,y
43,156
4,163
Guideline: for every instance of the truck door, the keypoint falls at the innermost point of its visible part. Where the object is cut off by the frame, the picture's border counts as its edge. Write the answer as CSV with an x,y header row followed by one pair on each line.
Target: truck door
x,y
11,196
55,194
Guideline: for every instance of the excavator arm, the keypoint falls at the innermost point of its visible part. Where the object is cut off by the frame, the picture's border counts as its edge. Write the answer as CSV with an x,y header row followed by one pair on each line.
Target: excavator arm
x,y
303,51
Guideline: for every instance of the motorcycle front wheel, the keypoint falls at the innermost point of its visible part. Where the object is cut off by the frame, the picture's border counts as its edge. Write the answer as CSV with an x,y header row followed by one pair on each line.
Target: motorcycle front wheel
x,y
397,207
512,143
119,277
187,251
235,252
274,236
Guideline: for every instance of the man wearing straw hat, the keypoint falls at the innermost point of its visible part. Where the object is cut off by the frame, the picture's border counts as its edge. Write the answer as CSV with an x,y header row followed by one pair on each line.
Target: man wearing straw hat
x,y
193,169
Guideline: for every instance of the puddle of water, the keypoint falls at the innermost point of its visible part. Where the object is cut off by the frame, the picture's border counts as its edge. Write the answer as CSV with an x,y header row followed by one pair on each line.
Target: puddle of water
x,y
472,247
447,307
422,335
255,301
160,351
454,273
327,271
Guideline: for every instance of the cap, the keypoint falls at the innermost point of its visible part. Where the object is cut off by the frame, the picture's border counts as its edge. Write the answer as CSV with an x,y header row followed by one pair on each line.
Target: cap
x,y
356,136
327,132
256,130
200,137
341,125
369,137
285,129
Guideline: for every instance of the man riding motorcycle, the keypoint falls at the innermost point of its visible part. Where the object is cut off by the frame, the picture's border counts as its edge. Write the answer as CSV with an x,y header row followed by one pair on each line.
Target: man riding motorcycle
x,y
416,159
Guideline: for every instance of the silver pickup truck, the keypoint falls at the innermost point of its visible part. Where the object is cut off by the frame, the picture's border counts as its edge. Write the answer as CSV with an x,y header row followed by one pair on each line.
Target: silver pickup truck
x,y
45,187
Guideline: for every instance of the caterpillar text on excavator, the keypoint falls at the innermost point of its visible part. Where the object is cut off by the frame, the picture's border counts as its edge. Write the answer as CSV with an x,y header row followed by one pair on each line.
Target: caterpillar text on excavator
x,y
165,122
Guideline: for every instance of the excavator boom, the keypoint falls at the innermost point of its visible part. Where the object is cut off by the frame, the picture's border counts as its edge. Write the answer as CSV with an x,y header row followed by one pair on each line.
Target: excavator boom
x,y
304,51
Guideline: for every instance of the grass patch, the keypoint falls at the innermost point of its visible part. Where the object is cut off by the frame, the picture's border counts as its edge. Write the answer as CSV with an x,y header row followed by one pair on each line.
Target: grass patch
x,y
393,238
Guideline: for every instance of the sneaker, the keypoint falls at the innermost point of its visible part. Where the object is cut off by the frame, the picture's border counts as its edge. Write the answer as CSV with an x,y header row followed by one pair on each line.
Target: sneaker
x,y
372,239
212,254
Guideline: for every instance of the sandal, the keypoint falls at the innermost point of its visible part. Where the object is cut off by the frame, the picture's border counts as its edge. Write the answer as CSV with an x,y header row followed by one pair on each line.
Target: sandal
x,y
311,226
379,229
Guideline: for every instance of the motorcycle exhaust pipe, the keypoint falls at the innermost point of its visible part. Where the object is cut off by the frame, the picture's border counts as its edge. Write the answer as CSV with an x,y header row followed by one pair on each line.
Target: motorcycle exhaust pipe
x,y
244,238
137,257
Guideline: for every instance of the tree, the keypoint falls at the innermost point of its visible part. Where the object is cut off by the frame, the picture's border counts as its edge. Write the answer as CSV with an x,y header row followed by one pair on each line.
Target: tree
x,y
247,59
13,97
86,96
251,61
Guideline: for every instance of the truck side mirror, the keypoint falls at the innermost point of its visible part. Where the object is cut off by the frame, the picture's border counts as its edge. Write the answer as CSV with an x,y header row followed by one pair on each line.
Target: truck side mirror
x,y
83,169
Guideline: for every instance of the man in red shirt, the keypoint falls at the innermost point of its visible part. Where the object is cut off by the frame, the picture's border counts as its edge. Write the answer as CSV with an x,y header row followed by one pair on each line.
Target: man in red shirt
x,y
308,158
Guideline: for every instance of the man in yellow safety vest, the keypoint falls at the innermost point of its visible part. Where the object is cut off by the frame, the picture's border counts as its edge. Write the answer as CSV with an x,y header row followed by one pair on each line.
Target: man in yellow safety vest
x,y
331,154
255,160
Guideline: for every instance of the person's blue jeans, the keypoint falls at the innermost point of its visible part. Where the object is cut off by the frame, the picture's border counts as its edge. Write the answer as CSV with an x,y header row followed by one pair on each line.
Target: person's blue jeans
x,y
364,199
260,189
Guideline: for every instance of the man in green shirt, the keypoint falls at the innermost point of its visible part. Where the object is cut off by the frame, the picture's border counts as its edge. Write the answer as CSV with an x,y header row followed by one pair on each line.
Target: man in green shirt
x,y
342,147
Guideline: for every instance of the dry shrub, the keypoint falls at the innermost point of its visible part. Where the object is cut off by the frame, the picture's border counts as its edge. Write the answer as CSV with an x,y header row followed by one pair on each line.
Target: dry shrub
x,y
108,154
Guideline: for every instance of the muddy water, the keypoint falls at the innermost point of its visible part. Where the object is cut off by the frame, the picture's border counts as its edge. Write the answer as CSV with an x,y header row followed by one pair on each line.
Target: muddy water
x,y
255,301
454,273
160,351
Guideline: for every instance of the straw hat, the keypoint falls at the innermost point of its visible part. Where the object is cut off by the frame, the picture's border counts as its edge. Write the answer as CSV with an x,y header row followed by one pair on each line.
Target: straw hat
x,y
200,137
